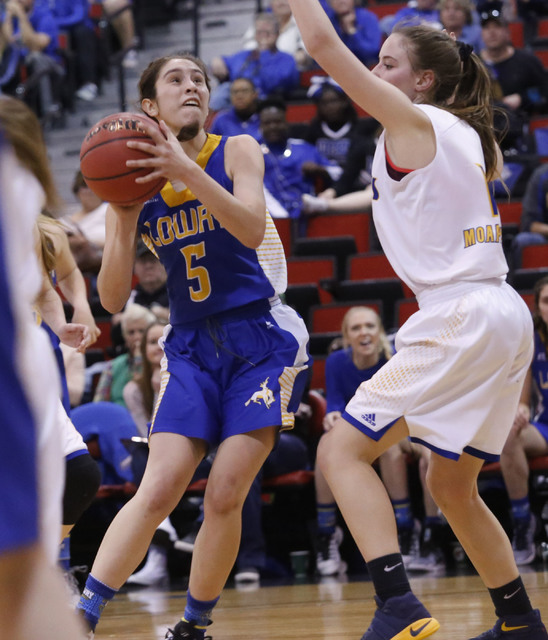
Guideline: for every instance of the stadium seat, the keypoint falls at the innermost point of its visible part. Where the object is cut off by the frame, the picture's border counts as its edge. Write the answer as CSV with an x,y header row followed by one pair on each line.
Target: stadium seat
x,y
534,256
318,270
339,247
341,224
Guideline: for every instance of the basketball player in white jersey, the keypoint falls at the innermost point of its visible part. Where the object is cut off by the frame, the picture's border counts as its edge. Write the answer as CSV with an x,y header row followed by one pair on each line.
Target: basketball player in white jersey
x,y
32,595
455,380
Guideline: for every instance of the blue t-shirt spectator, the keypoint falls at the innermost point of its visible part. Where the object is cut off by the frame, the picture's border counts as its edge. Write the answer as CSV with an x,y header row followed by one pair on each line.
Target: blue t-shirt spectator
x,y
342,378
228,123
364,37
270,71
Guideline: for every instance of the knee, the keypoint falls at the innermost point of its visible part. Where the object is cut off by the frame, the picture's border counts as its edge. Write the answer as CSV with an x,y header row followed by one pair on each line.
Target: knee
x,y
331,456
223,498
447,493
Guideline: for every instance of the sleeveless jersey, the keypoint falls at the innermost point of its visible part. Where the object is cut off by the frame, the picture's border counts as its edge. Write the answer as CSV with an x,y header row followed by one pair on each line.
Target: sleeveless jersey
x,y
208,270
439,224
539,370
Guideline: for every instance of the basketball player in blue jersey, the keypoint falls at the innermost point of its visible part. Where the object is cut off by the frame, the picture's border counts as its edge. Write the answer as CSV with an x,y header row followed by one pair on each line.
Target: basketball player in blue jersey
x,y
461,360
529,434
235,357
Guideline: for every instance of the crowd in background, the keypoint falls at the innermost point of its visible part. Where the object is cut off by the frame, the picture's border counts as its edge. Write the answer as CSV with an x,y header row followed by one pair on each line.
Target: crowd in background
x,y
53,54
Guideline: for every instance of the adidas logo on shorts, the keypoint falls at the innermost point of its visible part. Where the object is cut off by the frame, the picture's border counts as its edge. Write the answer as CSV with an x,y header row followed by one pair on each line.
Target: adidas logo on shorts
x,y
369,417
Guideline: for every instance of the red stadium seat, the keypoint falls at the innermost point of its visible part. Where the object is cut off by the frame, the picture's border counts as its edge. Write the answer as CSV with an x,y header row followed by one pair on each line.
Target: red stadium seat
x,y
341,224
534,256
312,270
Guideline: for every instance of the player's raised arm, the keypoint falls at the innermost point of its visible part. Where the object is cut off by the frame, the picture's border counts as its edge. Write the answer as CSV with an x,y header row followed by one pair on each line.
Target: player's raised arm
x,y
386,101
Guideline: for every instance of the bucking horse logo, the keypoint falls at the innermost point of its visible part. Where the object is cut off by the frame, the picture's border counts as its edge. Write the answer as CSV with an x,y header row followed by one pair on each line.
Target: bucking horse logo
x,y
265,394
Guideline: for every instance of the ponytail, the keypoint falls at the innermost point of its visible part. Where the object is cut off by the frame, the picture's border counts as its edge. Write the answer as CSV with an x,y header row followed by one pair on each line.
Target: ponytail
x,y
462,84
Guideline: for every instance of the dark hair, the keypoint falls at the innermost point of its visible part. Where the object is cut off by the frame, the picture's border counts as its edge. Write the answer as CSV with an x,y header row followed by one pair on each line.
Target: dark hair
x,y
272,102
462,87
147,81
540,326
144,380
78,182
22,129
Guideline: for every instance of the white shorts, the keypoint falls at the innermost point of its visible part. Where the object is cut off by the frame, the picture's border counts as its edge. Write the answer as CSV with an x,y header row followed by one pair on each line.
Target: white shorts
x,y
72,442
458,372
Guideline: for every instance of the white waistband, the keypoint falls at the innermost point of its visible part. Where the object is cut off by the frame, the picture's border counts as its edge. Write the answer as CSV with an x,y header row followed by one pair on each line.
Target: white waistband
x,y
448,291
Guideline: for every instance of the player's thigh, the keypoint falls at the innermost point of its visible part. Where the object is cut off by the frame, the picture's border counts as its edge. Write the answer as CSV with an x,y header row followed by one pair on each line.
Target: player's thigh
x,y
452,480
346,442
238,460
171,463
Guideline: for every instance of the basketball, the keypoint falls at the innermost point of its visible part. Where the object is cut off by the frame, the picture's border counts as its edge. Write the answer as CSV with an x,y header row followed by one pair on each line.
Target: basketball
x,y
103,156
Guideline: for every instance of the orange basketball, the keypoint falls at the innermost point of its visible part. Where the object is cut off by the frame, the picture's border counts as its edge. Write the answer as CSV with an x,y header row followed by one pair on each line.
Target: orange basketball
x,y
103,156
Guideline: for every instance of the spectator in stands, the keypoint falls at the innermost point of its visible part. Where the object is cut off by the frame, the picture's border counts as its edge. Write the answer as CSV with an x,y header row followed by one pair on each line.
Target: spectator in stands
x,y
141,391
335,123
460,17
31,30
534,217
520,83
73,16
365,350
529,434
357,27
120,16
86,227
289,39
126,366
150,290
242,116
336,128
292,167
272,71
416,12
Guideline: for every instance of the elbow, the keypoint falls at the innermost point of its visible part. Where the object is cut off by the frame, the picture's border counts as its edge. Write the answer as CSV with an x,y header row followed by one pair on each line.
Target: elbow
x,y
255,236
253,241
317,44
111,305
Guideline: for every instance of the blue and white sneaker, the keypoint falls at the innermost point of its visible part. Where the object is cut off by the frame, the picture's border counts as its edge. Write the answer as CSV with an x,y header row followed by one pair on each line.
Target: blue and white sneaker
x,y
401,618
526,626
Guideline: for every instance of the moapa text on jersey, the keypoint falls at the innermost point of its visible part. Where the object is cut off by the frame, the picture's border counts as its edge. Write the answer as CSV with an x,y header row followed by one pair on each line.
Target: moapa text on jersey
x,y
482,234
182,224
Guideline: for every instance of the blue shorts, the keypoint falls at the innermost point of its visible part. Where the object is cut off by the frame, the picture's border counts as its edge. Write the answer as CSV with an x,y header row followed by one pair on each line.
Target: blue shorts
x,y
543,428
236,372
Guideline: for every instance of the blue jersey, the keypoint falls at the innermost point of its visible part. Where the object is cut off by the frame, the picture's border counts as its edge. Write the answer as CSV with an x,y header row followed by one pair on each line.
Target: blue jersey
x,y
539,370
18,471
342,378
208,270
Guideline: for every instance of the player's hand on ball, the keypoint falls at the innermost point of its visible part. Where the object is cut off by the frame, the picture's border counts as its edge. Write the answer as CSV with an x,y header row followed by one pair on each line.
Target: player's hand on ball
x,y
168,159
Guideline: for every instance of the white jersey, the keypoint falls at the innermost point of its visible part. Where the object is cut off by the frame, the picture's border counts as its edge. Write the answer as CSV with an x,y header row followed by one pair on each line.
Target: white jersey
x,y
426,244
23,196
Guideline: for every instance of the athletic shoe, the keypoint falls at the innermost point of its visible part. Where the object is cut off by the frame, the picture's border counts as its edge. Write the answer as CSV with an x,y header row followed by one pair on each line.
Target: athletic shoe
x,y
523,541
131,59
401,618
247,574
154,573
526,626
187,543
328,558
186,631
87,92
430,558
409,541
